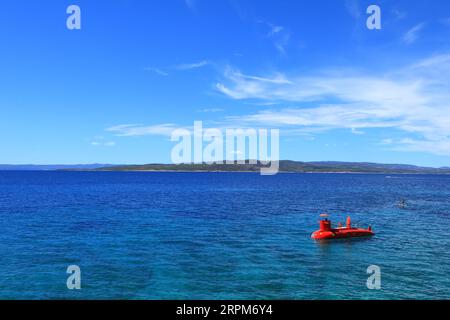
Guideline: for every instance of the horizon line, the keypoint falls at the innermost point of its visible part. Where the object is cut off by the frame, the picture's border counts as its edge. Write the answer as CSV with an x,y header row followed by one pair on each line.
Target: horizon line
x,y
217,163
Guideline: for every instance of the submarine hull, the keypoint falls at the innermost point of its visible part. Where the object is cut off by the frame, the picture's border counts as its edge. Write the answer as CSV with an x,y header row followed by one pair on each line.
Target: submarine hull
x,y
341,233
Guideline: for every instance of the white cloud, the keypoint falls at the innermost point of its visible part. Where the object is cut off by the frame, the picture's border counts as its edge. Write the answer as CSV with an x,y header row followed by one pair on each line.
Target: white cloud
x,y
248,86
356,131
100,141
414,100
438,147
434,63
129,130
387,141
189,66
399,14
412,34
279,35
103,143
211,110
281,43
158,71
351,87
274,29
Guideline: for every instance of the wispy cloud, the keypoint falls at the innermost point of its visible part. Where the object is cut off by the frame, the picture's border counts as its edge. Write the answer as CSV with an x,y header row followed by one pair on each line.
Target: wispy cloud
x,y
356,131
281,43
432,64
414,99
398,14
130,130
274,29
103,144
412,34
246,86
157,70
211,110
100,141
279,35
195,65
387,141
184,66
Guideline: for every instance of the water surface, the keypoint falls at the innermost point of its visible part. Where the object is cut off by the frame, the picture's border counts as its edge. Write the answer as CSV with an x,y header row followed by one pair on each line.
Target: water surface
x,y
148,235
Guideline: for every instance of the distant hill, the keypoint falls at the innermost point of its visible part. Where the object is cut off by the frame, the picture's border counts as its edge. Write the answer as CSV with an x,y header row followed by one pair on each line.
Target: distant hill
x,y
37,167
287,166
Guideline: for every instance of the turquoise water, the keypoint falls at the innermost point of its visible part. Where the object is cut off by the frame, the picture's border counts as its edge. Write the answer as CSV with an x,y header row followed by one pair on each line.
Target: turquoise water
x,y
220,235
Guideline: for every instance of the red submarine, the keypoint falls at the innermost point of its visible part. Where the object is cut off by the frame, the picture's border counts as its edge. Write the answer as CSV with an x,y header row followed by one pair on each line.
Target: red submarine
x,y
326,232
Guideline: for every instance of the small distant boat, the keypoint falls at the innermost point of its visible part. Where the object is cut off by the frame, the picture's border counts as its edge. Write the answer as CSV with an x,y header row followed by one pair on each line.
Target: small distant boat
x,y
326,231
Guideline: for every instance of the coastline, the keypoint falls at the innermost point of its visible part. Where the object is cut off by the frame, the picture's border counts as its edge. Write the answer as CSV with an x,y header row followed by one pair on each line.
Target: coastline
x,y
257,172
284,166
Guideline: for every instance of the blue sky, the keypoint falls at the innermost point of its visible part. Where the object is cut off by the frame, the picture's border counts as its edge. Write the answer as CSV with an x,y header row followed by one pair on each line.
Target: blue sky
x,y
113,91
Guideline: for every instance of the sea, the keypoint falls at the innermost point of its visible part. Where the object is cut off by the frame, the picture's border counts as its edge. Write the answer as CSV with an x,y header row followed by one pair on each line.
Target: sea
x,y
217,235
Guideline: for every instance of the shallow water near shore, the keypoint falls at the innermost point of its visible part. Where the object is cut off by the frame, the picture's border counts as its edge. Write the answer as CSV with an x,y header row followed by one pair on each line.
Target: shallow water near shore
x,y
162,235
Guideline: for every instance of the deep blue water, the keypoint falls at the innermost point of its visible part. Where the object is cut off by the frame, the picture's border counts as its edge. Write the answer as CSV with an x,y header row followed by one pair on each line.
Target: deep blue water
x,y
220,235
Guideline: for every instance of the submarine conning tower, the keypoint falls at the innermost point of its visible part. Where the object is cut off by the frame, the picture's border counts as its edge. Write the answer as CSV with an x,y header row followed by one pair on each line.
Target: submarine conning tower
x,y
325,225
